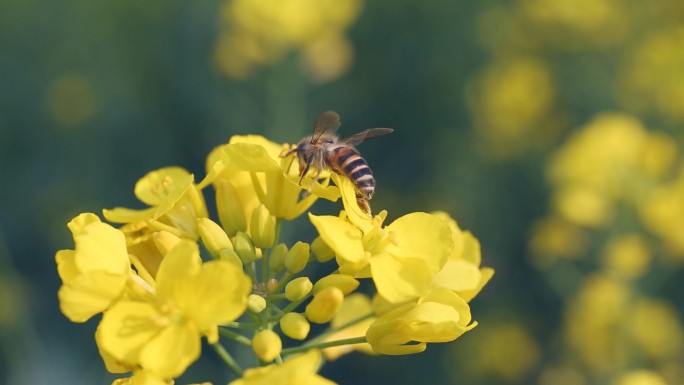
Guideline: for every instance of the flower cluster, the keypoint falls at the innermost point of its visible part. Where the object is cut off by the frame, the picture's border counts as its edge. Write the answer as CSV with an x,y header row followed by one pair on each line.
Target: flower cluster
x,y
159,295
261,33
614,182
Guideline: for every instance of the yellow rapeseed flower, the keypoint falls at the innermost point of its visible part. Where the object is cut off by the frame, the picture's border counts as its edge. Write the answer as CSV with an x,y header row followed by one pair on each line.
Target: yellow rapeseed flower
x,y
462,273
93,275
439,316
401,257
175,203
192,298
300,370
275,180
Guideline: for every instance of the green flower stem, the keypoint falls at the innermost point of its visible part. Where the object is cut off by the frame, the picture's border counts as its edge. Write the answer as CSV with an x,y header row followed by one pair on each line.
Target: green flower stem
x,y
227,358
294,304
276,309
264,261
235,336
251,272
305,347
242,325
325,334
286,278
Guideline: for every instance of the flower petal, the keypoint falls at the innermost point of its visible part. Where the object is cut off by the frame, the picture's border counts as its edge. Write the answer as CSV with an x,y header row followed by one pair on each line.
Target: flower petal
x,y
127,327
457,275
400,279
216,295
179,266
77,224
248,157
66,265
172,351
88,294
424,236
341,236
180,188
149,188
99,246
124,215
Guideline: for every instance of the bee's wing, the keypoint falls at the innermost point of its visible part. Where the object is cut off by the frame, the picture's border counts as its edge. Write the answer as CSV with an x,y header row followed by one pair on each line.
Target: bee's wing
x,y
329,122
363,135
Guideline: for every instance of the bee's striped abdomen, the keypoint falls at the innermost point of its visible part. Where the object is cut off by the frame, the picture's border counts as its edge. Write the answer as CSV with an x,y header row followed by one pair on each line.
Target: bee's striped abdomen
x,y
346,161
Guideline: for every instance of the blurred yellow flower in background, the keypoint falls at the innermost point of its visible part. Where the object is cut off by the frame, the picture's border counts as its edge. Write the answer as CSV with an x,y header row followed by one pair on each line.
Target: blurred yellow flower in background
x,y
652,76
577,24
511,104
260,33
611,160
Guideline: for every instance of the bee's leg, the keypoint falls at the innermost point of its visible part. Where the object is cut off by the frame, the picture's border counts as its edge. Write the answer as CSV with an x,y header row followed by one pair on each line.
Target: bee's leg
x,y
303,172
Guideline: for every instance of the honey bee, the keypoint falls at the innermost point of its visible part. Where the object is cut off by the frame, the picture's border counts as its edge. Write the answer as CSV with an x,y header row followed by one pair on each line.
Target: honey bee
x,y
324,150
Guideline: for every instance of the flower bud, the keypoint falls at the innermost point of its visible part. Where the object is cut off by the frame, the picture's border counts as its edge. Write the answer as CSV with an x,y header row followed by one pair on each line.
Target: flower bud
x,y
297,257
344,282
295,326
213,236
267,345
276,261
256,303
229,207
165,241
321,250
231,256
272,285
298,288
262,228
325,305
244,248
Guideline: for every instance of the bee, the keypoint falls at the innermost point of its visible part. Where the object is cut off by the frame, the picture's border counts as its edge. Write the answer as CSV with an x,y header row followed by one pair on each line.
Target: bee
x,y
324,150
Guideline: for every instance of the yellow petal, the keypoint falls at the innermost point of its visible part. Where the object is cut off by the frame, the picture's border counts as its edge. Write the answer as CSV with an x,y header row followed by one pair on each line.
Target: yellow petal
x,y
341,236
457,275
172,351
181,186
217,295
397,350
99,246
151,189
486,274
471,249
273,149
248,157
112,364
127,327
357,216
178,266
66,265
124,215
77,224
422,235
88,294
400,279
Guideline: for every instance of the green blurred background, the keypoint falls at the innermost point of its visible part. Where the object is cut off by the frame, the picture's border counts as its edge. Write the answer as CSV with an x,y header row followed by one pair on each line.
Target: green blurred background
x,y
551,129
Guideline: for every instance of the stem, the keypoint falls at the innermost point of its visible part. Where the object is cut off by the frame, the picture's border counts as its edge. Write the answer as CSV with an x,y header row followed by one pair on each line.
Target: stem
x,y
251,272
293,305
227,358
325,334
276,309
305,347
241,325
235,336
283,281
